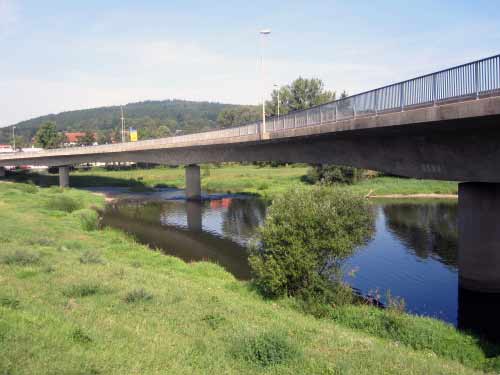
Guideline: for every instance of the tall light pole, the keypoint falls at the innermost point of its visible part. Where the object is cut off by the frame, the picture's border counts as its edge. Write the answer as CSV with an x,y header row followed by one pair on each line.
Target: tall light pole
x,y
263,34
123,126
278,88
14,138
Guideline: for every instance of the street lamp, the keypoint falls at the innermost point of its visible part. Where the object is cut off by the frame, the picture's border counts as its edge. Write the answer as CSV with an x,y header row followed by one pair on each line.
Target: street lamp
x,y
263,33
278,88
14,138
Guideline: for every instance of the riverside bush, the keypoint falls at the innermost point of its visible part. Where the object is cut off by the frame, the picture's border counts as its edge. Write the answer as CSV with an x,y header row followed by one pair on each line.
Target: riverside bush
x,y
304,240
20,257
266,349
89,219
330,174
64,203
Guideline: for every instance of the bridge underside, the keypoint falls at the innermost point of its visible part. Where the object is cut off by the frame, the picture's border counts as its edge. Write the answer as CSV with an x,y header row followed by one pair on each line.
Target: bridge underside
x,y
459,150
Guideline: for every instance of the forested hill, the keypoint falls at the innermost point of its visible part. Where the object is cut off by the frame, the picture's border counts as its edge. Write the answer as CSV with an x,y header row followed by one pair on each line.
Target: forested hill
x,y
151,118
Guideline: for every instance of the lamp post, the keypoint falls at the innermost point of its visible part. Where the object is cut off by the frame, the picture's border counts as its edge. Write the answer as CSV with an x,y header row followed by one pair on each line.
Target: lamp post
x,y
123,125
277,87
263,34
14,138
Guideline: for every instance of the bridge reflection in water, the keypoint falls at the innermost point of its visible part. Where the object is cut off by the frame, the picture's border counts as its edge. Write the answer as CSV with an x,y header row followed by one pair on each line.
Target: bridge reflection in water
x,y
178,228
413,253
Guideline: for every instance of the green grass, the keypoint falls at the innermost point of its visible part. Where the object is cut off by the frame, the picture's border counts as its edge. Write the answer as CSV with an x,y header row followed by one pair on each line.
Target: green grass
x,y
142,312
403,186
266,182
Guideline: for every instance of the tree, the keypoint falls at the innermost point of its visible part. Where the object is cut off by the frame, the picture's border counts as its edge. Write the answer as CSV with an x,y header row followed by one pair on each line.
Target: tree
x,y
87,140
47,136
305,239
104,137
302,93
238,116
330,174
20,142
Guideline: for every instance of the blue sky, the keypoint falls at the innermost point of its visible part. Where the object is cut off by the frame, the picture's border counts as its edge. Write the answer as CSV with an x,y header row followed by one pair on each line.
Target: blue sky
x,y
64,55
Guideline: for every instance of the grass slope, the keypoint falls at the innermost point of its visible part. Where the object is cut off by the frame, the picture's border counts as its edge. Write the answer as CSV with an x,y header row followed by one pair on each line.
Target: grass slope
x,y
74,301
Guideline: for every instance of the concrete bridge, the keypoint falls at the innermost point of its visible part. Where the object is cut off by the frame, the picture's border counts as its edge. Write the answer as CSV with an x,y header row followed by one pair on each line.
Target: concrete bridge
x,y
444,126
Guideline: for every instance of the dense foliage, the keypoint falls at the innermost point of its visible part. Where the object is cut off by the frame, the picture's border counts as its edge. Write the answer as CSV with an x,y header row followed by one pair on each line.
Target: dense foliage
x,y
330,174
47,136
238,116
151,118
302,93
87,139
306,236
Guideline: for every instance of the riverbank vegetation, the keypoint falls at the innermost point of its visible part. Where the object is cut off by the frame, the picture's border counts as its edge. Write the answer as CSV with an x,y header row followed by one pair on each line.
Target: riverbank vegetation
x,y
265,181
306,237
78,300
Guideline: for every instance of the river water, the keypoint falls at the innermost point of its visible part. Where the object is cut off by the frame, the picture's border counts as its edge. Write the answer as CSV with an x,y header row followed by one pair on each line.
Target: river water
x,y
413,253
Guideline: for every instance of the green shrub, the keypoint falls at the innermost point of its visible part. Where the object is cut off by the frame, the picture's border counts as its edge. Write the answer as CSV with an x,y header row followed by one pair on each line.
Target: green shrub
x,y
78,335
89,219
214,321
265,349
138,295
27,188
319,302
330,174
64,203
42,241
304,240
82,290
91,257
20,257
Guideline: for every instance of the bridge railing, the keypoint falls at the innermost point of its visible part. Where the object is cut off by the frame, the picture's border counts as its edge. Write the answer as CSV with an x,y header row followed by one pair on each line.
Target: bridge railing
x,y
465,82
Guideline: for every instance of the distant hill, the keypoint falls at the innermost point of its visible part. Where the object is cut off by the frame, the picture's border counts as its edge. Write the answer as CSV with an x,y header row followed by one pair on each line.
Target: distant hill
x,y
151,118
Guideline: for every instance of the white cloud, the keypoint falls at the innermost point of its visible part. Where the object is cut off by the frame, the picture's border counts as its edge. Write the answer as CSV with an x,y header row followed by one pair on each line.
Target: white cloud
x,y
110,72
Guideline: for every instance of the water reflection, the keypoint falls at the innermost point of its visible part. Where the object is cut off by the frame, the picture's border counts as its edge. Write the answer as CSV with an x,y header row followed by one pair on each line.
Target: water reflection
x,y
413,253
216,230
427,230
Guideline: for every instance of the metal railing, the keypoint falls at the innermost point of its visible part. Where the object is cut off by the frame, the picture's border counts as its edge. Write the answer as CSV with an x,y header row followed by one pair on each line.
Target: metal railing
x,y
465,82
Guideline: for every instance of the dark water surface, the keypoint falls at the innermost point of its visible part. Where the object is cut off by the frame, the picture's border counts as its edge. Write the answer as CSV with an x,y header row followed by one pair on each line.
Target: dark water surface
x,y
413,252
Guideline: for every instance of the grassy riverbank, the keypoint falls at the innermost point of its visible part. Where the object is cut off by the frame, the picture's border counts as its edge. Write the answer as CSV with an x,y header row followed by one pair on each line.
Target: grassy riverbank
x,y
74,301
264,181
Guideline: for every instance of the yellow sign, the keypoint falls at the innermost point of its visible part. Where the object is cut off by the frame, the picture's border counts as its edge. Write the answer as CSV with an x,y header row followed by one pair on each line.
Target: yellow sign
x,y
133,135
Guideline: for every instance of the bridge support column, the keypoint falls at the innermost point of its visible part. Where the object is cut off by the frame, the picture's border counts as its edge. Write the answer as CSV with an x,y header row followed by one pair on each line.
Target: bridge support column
x,y
193,182
2,172
64,176
194,220
479,236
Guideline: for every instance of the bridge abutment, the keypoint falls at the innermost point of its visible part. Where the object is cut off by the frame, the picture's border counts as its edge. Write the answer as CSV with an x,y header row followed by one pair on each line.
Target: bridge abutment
x,y
64,176
479,236
2,172
193,182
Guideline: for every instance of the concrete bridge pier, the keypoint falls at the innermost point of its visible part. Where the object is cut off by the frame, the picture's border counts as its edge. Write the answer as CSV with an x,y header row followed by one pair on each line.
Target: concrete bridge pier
x,y
194,219
479,236
2,171
193,182
64,176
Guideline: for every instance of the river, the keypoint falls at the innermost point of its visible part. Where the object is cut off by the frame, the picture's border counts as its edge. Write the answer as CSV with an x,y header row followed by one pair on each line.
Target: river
x,y
413,253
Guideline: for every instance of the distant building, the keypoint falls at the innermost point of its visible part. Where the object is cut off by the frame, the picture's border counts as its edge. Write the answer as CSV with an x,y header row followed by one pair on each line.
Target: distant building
x,y
72,139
